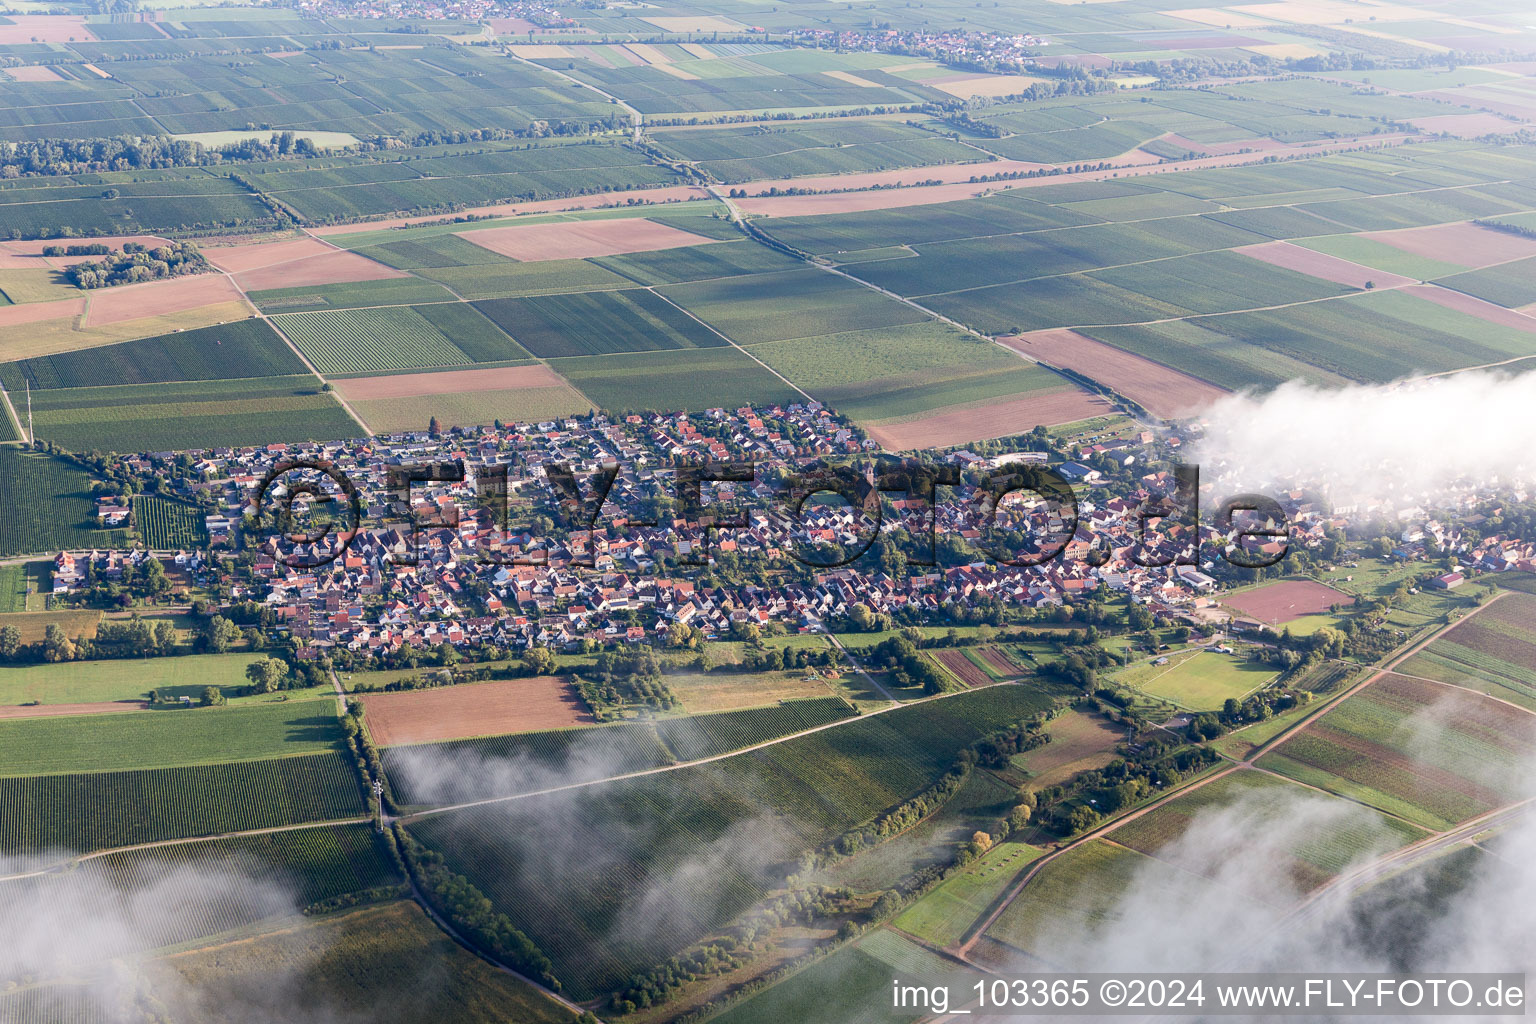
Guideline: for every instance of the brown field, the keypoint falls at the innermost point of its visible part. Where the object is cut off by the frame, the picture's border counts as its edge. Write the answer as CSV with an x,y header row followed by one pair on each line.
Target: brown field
x,y
408,385
1496,100
1317,264
659,196
1078,742
949,173
33,73
960,667
997,419
473,408
535,51
32,625
1464,303
1463,242
55,710
1000,662
1466,126
473,709
1287,600
131,302
32,312
1156,388
676,72
235,259
46,337
45,28
334,267
1221,148
581,239
512,26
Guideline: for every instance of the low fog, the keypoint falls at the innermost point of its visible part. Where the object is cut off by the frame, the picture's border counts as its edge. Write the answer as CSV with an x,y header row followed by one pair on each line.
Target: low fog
x,y
1395,444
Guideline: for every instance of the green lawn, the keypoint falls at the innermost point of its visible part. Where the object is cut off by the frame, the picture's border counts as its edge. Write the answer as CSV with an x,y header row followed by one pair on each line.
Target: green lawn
x,y
163,739
86,682
1199,680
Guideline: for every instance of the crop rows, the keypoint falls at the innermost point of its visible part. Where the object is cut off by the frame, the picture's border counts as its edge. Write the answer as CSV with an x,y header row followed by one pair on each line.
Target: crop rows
x,y
355,340
707,735
47,506
167,525
108,809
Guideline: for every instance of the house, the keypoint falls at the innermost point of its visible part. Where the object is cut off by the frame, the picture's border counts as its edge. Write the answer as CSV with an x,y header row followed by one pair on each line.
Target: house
x,y
1449,581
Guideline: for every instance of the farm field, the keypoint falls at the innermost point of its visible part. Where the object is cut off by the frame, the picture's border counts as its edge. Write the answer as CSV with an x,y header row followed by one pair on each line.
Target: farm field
x,y
473,709
33,625
1493,653
1262,808
699,736
1079,742
797,793
396,338
727,691
48,506
1199,680
598,323
110,808
1284,602
84,682
646,381
169,525
395,292
1424,751
165,739
943,915
472,408
197,414
389,962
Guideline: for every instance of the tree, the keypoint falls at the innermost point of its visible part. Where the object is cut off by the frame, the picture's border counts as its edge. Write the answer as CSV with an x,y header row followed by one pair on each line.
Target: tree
x,y
212,695
219,634
433,427
57,646
10,642
164,641
267,674
540,661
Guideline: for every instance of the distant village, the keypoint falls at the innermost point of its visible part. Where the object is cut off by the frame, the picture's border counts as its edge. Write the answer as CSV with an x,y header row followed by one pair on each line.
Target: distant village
x,y
458,577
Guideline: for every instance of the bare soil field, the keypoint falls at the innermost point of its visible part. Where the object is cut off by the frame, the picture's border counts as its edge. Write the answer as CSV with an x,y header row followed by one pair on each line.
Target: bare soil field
x,y
1221,148
1316,264
997,419
33,73
334,267
45,28
235,259
1156,388
1463,242
473,709
960,667
512,26
1466,126
999,661
409,385
1464,303
55,710
32,312
661,196
581,239
949,173
1287,600
130,302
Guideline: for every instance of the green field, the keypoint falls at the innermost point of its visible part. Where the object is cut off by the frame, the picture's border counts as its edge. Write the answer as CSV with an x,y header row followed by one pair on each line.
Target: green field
x,y
944,915
165,524
390,963
363,340
1199,680
86,682
48,506
165,739
392,292
1493,653
794,304
700,736
197,414
674,380
245,348
107,809
1508,284
598,323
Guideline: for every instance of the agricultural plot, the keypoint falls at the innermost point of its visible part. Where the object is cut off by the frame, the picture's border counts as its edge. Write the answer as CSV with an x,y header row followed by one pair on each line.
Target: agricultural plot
x,y
473,709
48,506
944,915
1286,601
852,986
184,415
643,381
472,408
598,323
1265,810
1508,284
398,291
247,348
796,304
698,263
166,739
370,340
117,808
1199,680
390,963
700,693
744,814
1079,742
1431,753
690,739
1493,653
547,277
745,154
90,682
168,525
